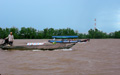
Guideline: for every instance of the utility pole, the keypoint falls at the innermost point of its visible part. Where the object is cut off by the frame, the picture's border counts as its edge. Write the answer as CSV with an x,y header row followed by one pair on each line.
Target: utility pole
x,y
95,24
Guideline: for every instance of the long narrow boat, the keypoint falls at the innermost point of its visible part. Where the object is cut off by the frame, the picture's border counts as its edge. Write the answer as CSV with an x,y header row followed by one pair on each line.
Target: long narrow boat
x,y
39,47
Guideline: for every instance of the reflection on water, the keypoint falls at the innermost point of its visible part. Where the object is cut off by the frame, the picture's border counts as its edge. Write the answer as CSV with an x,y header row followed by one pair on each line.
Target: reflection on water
x,y
97,57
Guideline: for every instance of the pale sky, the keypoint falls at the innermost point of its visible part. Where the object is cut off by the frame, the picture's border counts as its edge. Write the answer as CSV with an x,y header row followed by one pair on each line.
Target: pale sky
x,y
76,14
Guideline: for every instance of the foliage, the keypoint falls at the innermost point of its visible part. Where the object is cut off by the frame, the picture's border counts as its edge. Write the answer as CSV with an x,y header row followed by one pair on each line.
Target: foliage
x,y
47,33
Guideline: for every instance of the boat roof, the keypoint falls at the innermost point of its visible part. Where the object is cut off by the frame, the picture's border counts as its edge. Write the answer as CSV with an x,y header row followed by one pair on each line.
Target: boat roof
x,y
63,37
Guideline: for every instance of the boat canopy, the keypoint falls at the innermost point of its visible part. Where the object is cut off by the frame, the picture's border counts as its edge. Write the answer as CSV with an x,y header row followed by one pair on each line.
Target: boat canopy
x,y
64,37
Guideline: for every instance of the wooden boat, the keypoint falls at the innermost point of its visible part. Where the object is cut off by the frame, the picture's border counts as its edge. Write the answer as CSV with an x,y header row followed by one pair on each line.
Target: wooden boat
x,y
39,47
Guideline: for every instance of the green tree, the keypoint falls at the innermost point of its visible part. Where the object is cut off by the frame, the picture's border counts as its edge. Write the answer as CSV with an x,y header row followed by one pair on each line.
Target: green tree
x,y
1,33
117,34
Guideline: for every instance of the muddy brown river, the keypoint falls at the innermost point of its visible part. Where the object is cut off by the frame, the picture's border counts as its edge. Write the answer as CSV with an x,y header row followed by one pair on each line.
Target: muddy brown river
x,y
97,57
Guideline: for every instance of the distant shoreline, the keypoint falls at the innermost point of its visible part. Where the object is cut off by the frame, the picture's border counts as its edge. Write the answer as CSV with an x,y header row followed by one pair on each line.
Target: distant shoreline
x,y
47,33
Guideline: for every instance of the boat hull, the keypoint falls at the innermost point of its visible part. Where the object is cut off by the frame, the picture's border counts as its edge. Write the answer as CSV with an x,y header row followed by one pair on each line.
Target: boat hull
x,y
39,47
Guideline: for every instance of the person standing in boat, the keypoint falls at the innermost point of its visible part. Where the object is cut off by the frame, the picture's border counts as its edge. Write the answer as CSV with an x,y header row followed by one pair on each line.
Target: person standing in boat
x,y
10,38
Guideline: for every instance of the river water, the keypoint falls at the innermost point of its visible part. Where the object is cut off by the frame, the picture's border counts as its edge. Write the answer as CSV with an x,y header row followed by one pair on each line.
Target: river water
x,y
97,57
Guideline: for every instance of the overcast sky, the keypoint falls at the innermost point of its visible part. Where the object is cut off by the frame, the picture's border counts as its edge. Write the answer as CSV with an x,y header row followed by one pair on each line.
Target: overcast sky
x,y
76,14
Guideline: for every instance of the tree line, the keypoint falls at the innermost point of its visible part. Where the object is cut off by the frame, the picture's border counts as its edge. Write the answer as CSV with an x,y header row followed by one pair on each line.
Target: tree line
x,y
47,33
